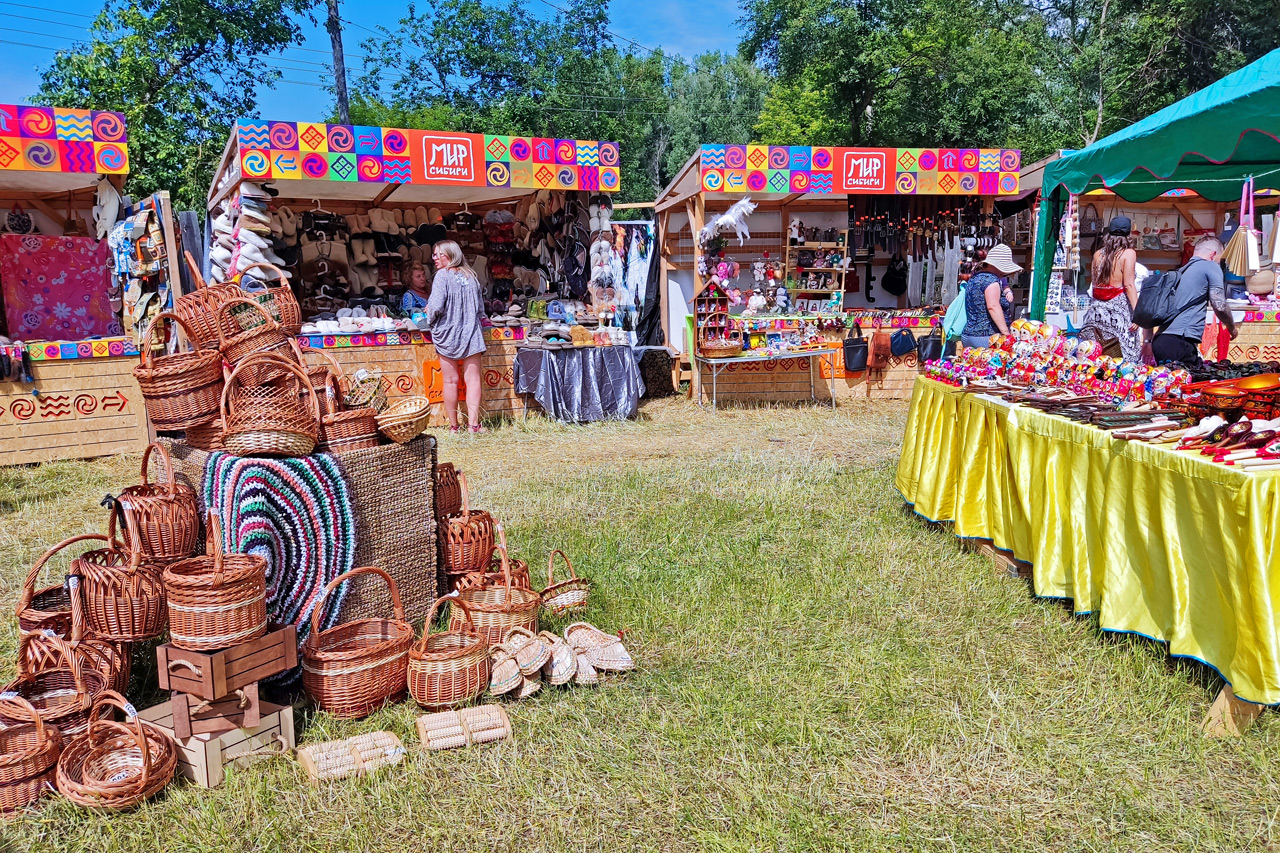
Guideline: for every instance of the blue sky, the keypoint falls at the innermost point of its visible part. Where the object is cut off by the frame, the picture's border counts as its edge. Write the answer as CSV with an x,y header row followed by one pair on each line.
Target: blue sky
x,y
678,26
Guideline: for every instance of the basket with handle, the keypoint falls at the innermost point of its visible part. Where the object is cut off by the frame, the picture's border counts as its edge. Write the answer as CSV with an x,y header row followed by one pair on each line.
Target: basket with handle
x,y
567,595
352,669
325,375
269,419
198,309
265,337
29,753
218,600
494,575
450,667
342,431
181,390
369,389
49,607
405,419
207,436
116,765
448,491
468,537
61,695
123,593
38,652
495,610
276,296
164,514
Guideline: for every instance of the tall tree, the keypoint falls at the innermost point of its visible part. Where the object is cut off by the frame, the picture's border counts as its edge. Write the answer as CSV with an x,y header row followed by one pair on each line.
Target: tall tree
x,y
181,71
716,98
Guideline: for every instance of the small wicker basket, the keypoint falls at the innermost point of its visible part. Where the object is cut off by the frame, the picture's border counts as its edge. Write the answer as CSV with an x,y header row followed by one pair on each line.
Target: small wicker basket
x,y
62,695
405,419
164,514
123,593
450,667
181,390
269,419
218,600
495,610
28,759
468,537
567,595
448,491
114,765
198,309
49,608
353,669
277,297
263,337
37,650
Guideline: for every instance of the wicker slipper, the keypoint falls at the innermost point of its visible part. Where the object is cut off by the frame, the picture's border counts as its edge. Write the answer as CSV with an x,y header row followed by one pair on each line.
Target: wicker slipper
x,y
506,672
563,665
529,685
586,675
531,651
605,651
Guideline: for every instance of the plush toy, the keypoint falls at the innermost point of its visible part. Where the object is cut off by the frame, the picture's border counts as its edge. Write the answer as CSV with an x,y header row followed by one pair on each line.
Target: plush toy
x,y
735,218
756,303
781,300
735,296
757,272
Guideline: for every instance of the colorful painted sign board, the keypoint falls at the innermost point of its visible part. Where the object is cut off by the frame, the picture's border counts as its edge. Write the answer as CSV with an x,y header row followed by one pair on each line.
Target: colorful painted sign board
x,y
52,139
862,171
286,150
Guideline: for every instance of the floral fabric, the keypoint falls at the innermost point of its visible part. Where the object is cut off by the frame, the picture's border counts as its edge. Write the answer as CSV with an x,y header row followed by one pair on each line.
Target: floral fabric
x,y
55,288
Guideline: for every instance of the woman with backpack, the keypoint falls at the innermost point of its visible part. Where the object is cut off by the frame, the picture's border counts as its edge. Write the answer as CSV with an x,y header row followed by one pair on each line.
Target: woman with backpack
x,y
988,301
1109,320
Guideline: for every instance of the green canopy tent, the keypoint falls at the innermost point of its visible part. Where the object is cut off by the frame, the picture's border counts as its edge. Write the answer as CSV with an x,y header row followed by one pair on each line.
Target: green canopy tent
x,y
1209,143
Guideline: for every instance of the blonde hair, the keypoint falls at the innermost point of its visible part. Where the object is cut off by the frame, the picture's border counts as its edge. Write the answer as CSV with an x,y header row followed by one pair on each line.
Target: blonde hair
x,y
457,261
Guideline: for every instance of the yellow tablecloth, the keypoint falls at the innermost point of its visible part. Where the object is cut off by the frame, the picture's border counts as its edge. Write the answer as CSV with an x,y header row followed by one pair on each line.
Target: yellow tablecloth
x,y
1160,543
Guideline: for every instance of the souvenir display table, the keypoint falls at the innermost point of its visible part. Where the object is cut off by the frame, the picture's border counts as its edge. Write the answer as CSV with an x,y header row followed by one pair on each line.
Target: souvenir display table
x,y
714,367
1157,542
580,385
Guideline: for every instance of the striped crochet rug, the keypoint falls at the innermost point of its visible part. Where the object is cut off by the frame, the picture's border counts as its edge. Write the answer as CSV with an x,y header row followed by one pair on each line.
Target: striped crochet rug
x,y
296,513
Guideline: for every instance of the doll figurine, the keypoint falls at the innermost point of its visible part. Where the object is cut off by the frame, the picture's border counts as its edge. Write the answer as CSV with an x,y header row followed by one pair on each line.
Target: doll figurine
x,y
781,300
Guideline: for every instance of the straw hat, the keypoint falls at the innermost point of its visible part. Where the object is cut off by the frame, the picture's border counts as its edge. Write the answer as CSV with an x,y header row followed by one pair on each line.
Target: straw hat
x,y
1001,258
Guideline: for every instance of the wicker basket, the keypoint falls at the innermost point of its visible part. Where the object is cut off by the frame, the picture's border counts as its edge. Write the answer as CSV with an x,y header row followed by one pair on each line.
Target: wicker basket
x,y
468,537
114,765
179,391
494,575
451,667
405,419
198,309
218,600
206,437
277,298
720,349
567,595
264,337
351,670
448,491
49,608
343,432
368,391
269,419
326,377
62,695
164,515
28,759
495,610
37,650
123,594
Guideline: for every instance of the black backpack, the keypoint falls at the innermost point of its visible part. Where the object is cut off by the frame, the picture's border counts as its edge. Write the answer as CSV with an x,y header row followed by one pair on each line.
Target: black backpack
x,y
1157,302
895,277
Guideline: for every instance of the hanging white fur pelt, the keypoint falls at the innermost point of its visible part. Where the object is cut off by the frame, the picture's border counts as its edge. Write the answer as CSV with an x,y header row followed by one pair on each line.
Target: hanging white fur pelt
x,y
734,218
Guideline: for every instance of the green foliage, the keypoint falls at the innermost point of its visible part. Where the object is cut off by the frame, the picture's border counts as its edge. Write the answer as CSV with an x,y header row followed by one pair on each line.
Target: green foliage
x,y
717,99
798,113
181,71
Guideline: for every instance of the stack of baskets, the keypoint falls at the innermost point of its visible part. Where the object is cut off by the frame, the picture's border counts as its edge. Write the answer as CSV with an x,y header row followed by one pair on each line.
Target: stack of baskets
x,y
467,539
405,419
494,610
114,765
342,428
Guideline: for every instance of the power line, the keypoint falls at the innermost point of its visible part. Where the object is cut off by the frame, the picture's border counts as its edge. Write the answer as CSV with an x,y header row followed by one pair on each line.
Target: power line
x,y
46,9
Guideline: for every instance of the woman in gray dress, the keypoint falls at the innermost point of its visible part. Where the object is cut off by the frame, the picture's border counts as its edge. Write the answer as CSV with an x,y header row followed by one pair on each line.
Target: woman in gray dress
x,y
454,311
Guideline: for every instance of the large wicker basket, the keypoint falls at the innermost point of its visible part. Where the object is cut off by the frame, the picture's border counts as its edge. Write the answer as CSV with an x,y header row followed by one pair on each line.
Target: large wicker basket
x,y
28,758
269,419
218,600
180,391
277,297
164,515
38,650
265,336
450,667
123,593
49,608
325,375
353,669
468,537
198,309
114,765
62,695
497,609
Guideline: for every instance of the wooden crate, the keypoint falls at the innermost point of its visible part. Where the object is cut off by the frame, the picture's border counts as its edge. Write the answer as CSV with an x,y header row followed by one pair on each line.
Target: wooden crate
x,y
215,675
203,758
193,716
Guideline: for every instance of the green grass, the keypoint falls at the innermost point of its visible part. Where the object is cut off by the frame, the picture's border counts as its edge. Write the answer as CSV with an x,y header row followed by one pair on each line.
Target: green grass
x,y
818,671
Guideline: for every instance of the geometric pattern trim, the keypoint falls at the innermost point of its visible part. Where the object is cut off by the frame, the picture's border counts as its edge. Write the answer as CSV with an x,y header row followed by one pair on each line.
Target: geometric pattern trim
x,y
53,139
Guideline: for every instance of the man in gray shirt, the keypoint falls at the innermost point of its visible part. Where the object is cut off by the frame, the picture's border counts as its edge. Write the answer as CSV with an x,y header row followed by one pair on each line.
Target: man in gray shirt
x,y
1199,288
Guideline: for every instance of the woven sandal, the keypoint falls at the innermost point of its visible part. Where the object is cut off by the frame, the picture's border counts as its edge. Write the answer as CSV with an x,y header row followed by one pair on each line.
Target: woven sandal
x,y
506,672
604,651
563,665
529,685
532,651
586,675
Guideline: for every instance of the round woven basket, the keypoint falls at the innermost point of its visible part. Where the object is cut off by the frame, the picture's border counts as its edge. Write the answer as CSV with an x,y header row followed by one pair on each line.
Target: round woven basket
x,y
277,297
468,537
206,437
448,491
62,696
265,336
351,670
198,309
325,375
37,650
494,575
720,349
218,600
497,609
450,667
341,432
405,419
123,593
163,514
269,419
114,765
28,758
567,595
181,390
49,608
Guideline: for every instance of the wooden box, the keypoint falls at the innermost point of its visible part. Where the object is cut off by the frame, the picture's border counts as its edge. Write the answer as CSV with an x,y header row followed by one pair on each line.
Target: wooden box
x,y
192,716
202,758
214,675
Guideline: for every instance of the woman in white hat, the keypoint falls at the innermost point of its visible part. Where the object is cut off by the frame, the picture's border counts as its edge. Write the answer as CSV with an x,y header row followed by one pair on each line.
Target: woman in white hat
x,y
988,301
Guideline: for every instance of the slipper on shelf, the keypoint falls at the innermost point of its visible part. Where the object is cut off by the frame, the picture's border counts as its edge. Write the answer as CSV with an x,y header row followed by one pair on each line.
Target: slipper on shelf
x,y
604,651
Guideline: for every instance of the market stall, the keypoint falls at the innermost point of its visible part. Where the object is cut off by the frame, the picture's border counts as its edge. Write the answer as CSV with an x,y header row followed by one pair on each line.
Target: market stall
x,y
803,243
1180,171
80,272
346,211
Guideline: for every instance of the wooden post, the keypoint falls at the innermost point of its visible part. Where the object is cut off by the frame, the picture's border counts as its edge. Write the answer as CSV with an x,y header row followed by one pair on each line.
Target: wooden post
x,y
664,225
1229,716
